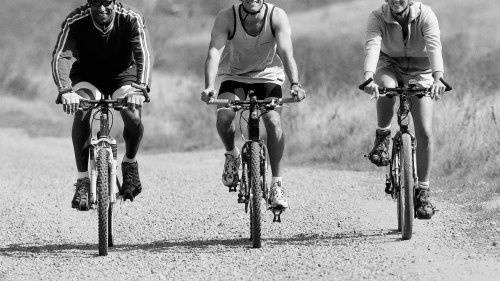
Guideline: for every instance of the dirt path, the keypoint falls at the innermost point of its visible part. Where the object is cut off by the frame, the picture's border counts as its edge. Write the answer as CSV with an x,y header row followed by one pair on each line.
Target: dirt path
x,y
186,226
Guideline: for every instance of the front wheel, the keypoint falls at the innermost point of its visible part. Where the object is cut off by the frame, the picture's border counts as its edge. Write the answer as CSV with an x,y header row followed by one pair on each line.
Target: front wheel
x,y
396,172
407,185
256,194
102,190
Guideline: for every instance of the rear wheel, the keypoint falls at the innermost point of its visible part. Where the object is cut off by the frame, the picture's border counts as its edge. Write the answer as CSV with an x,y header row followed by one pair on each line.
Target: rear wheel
x,y
102,190
407,185
256,194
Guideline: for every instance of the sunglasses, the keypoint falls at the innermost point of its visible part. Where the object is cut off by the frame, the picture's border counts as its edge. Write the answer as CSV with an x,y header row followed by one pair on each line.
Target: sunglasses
x,y
99,3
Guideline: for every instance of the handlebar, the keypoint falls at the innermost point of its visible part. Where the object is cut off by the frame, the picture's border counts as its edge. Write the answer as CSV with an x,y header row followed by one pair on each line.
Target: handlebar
x,y
141,88
116,104
404,89
270,102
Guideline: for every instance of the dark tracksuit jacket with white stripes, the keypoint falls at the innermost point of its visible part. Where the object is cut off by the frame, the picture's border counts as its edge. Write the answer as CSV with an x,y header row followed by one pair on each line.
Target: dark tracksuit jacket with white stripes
x,y
88,52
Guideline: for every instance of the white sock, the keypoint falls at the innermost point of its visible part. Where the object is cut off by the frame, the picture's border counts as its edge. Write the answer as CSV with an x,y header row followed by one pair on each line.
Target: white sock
x,y
235,152
276,179
385,128
423,185
125,159
82,175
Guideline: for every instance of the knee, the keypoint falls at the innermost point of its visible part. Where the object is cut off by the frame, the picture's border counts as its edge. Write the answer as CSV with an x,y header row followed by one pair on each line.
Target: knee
x,y
224,118
131,119
425,137
273,121
82,117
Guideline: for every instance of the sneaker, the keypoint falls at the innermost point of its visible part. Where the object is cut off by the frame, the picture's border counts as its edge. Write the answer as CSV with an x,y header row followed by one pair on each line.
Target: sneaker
x,y
276,197
230,175
131,183
423,207
82,191
380,152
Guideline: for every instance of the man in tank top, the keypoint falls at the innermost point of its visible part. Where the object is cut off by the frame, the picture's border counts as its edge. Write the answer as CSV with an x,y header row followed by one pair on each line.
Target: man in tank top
x,y
251,49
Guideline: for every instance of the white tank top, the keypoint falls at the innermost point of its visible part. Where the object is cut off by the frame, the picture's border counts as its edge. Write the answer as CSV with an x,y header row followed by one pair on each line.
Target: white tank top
x,y
252,58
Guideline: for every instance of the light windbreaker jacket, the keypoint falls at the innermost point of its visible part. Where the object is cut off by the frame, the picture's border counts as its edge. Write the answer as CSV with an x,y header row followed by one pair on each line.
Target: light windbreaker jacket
x,y
422,48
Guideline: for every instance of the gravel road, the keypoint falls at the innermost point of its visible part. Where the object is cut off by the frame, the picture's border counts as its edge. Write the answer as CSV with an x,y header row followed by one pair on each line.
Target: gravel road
x,y
187,226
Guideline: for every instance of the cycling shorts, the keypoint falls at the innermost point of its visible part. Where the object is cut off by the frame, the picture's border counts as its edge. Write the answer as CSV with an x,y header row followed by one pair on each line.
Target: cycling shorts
x,y
406,68
97,93
241,90
107,86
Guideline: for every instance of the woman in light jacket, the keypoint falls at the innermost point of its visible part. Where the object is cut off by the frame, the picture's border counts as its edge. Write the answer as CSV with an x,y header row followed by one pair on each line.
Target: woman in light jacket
x,y
402,43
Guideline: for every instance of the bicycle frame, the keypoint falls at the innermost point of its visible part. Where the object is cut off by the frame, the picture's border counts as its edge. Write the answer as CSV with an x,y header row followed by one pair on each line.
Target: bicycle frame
x,y
104,185
103,141
404,122
253,181
402,179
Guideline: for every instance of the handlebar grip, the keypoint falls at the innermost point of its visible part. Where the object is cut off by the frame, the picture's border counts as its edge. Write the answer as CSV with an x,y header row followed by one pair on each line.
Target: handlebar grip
x,y
448,86
147,97
287,100
58,99
362,86
219,101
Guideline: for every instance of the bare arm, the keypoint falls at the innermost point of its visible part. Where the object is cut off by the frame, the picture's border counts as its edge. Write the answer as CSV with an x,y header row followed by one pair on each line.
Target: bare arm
x,y
219,35
283,34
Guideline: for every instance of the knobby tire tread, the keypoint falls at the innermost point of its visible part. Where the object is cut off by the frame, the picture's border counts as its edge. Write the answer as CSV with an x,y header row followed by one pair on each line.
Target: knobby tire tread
x,y
102,189
256,193
408,184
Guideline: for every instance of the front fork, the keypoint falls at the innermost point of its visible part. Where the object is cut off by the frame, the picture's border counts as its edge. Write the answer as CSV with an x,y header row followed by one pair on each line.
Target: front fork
x,y
111,147
393,180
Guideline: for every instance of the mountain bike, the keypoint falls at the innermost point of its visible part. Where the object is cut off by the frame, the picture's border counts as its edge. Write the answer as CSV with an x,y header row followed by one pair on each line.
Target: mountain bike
x,y
104,183
253,184
402,178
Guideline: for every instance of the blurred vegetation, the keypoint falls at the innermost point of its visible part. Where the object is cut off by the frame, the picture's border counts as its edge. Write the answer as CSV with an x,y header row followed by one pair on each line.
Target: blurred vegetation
x,y
334,126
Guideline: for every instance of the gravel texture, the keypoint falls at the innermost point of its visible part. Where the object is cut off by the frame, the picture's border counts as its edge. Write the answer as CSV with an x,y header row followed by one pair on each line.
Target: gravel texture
x,y
186,226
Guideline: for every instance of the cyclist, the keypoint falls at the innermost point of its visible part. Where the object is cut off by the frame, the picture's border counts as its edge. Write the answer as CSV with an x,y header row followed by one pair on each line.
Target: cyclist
x,y
251,49
103,48
402,43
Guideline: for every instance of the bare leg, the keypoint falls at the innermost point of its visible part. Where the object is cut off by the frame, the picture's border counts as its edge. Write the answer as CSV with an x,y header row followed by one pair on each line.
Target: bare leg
x,y
225,125
133,131
422,112
385,106
80,132
275,139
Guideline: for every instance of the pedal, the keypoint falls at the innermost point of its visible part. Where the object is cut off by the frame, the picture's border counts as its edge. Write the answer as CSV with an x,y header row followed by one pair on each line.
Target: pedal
x,y
277,214
232,188
388,185
241,198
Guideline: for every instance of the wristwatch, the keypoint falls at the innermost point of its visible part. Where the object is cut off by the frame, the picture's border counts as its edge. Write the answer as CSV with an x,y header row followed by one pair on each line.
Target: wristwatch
x,y
65,90
143,87
295,83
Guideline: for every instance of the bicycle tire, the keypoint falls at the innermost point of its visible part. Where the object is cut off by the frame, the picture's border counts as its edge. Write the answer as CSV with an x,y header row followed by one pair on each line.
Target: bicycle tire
x,y
256,194
110,225
111,211
396,181
408,183
265,172
102,190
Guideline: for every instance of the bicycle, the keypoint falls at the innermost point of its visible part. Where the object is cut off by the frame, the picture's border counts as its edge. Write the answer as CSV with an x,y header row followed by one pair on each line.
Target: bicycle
x,y
105,187
254,184
402,178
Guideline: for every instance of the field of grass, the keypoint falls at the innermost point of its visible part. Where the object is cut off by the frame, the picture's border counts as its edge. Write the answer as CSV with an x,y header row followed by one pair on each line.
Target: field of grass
x,y
334,126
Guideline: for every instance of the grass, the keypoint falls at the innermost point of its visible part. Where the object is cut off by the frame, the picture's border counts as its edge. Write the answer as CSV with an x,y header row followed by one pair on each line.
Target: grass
x,y
333,126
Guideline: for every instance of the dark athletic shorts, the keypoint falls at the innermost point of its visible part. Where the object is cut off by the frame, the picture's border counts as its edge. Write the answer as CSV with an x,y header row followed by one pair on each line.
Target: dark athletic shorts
x,y
262,90
109,85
